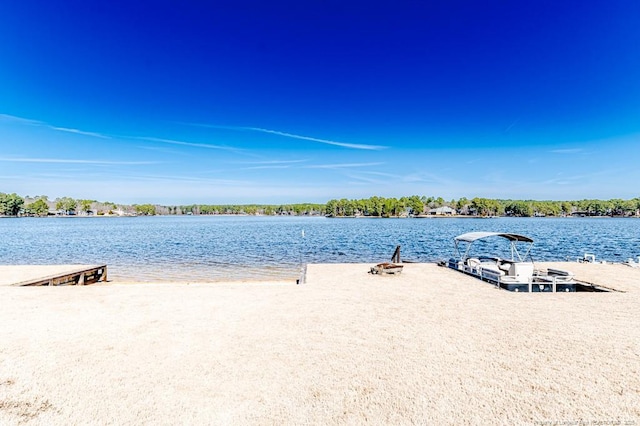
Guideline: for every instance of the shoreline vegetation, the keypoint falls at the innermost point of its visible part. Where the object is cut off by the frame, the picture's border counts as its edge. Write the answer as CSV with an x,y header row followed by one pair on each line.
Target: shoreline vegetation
x,y
13,205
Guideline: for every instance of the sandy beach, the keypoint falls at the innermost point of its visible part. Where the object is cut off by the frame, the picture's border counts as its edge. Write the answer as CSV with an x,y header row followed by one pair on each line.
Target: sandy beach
x,y
429,346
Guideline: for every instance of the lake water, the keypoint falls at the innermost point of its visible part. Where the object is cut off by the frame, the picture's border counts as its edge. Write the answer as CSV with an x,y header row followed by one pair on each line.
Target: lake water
x,y
211,248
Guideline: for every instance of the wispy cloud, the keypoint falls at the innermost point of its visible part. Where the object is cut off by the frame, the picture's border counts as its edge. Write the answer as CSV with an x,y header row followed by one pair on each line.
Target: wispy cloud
x,y
192,179
382,174
592,176
294,136
324,141
79,132
361,178
282,166
342,165
193,144
74,161
268,162
567,151
13,118
29,122
510,126
375,178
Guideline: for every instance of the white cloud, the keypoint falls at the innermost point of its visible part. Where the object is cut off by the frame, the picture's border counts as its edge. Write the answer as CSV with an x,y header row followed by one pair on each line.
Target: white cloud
x,y
282,166
365,179
325,141
192,179
74,161
7,117
268,162
29,122
567,151
342,166
293,136
193,144
79,132
510,126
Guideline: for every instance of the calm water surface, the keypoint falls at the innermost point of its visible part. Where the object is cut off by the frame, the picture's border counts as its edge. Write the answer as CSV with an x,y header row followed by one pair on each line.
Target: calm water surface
x,y
206,248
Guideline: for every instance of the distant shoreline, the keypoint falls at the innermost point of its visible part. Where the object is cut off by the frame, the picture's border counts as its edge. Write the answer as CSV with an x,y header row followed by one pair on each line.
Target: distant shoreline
x,y
319,216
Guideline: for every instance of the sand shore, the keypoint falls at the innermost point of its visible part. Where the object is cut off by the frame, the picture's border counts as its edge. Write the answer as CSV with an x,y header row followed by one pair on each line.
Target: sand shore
x,y
430,346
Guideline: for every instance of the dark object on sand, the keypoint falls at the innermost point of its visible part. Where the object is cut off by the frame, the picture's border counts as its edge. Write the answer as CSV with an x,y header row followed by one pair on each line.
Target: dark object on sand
x,y
386,268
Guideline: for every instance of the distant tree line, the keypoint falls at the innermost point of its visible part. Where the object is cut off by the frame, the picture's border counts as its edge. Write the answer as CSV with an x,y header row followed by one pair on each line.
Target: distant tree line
x,y
375,206
419,206
15,205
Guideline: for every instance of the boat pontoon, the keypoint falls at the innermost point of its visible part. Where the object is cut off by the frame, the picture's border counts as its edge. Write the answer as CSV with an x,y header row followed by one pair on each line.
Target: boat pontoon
x,y
515,273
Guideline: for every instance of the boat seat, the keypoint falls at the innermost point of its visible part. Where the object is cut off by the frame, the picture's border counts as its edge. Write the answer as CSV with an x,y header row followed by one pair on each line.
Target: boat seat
x,y
492,267
472,262
504,266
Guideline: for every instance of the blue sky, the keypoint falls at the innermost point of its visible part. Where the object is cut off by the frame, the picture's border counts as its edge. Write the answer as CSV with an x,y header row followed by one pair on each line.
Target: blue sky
x,y
282,101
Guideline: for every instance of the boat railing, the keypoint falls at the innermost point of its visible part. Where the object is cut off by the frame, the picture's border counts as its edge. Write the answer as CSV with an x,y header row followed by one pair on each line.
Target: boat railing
x,y
552,278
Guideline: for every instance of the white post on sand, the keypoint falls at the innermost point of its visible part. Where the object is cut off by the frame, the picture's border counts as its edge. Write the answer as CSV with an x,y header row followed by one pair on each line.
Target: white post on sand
x,y
303,267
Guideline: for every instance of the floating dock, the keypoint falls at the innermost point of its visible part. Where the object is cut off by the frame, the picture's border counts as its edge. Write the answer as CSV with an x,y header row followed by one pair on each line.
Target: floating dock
x,y
51,275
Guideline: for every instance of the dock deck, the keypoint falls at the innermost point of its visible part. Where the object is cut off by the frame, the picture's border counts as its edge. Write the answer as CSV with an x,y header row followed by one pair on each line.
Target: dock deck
x,y
51,275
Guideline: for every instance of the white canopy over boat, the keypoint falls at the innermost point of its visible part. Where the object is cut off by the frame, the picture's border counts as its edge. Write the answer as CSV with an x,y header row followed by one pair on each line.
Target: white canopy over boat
x,y
514,239
470,237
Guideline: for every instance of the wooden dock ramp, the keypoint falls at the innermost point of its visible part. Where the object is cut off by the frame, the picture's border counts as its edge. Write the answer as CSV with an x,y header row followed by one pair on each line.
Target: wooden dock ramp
x,y
51,275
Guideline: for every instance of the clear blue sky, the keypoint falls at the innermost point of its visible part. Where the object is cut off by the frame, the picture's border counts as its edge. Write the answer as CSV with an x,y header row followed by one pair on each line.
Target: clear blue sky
x,y
291,101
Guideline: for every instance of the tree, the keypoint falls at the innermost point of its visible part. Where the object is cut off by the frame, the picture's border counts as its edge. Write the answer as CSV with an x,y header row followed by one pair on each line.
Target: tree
x,y
414,204
38,208
331,208
67,205
145,209
85,205
390,207
375,206
485,206
598,207
519,208
462,204
10,204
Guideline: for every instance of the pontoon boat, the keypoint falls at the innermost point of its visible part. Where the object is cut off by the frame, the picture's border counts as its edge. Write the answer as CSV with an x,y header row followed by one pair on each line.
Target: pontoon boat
x,y
515,273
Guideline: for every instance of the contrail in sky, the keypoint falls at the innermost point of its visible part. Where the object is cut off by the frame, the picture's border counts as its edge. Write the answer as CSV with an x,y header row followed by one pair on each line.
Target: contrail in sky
x,y
293,136
343,166
73,161
197,145
30,122
78,132
510,126
567,151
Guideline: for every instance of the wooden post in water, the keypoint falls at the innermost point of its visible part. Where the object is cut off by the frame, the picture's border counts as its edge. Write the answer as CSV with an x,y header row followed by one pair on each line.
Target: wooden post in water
x,y
396,255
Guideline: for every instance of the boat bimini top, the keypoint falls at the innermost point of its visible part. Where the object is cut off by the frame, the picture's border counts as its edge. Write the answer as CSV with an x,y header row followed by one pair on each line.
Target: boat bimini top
x,y
470,237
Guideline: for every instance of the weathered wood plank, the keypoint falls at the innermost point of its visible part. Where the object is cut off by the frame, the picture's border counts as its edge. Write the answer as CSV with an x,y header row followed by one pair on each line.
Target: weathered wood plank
x,y
81,276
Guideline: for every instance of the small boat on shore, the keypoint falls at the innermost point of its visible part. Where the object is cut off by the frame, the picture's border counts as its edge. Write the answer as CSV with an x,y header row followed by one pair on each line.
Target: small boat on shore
x,y
515,273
